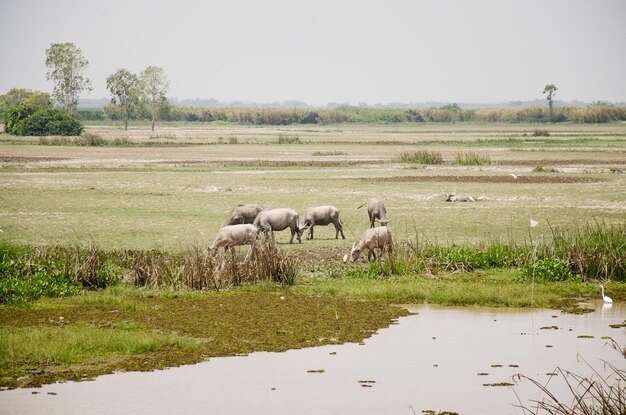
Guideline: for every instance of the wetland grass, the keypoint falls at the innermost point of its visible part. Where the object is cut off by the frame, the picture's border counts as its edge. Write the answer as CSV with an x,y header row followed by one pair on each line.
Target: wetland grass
x,y
419,157
471,159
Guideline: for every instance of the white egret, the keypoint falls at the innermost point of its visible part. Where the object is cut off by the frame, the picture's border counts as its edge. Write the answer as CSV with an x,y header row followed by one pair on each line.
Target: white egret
x,y
604,297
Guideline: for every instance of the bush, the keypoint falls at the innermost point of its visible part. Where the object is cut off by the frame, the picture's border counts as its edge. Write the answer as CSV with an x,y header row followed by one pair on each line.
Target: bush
x,y
288,139
471,159
48,122
540,133
420,157
16,116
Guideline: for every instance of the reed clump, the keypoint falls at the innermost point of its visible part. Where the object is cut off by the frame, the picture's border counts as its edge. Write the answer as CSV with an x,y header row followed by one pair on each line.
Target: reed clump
x,y
598,394
589,251
471,159
27,273
420,157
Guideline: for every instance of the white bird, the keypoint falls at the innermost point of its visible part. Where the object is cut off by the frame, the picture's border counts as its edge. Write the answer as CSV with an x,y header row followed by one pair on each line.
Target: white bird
x,y
513,175
533,223
604,297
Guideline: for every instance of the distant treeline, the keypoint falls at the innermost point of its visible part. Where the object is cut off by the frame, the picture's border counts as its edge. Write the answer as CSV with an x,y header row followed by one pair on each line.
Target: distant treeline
x,y
350,114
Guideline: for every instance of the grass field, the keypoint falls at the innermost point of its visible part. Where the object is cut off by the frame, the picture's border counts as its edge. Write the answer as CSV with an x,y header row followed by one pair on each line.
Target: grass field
x,y
174,188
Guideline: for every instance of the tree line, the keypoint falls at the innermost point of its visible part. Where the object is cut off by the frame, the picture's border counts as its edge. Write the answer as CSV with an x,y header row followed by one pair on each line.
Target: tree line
x,y
595,113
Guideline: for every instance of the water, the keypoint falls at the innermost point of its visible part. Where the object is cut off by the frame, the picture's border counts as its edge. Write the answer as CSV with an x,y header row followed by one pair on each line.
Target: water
x,y
429,360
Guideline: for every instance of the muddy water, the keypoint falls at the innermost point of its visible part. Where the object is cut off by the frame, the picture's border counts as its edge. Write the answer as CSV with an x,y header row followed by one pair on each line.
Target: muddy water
x,y
430,360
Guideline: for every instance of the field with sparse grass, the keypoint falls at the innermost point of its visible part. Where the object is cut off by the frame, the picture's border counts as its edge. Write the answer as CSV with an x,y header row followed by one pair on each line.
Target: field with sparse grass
x,y
175,187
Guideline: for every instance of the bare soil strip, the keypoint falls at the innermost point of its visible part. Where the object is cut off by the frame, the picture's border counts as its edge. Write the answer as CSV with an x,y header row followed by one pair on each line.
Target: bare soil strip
x,y
560,162
486,179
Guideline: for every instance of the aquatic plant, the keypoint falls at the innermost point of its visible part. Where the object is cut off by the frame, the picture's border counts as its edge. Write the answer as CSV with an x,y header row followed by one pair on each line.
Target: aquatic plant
x,y
597,394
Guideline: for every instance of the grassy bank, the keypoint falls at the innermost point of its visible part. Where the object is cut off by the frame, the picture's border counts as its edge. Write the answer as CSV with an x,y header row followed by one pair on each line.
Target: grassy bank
x,y
132,329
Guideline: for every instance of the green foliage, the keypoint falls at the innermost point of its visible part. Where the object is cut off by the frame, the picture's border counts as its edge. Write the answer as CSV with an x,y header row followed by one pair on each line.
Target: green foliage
x,y
49,121
125,91
16,116
548,269
420,157
35,116
28,274
472,159
66,64
33,99
361,115
154,85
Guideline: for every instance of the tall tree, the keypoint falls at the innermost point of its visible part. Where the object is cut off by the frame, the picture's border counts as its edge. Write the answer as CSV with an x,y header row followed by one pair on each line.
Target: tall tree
x,y
550,89
66,64
124,88
154,87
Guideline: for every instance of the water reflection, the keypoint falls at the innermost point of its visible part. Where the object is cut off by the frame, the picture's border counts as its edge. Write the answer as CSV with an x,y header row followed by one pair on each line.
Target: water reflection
x,y
438,359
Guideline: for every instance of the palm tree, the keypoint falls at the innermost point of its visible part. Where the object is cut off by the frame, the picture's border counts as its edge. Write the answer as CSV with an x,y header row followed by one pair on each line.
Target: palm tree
x,y
550,89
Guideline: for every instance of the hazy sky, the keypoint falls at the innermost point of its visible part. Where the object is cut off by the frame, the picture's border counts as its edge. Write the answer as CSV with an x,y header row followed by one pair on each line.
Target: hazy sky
x,y
331,51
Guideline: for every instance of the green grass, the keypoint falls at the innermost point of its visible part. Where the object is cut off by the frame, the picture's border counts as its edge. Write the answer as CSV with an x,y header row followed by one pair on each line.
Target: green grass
x,y
496,287
71,344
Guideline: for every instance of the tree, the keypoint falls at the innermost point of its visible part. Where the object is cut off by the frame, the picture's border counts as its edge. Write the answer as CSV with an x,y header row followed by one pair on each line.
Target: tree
x,y
124,87
154,87
550,89
66,64
14,96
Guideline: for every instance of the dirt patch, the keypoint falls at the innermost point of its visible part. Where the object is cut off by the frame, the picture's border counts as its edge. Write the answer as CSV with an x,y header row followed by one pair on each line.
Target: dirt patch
x,y
18,159
486,179
275,163
560,162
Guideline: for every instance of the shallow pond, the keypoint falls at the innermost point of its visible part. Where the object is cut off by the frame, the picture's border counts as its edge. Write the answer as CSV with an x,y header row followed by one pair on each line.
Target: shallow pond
x,y
438,359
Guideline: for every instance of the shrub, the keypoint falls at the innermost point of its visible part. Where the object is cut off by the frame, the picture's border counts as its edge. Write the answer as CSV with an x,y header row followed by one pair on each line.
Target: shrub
x,y
420,157
537,132
16,116
49,121
288,139
541,169
471,159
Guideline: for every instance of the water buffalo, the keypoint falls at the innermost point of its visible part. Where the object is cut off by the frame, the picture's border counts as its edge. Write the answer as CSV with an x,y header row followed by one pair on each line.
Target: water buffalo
x,y
374,238
322,216
376,212
453,197
243,214
232,235
278,219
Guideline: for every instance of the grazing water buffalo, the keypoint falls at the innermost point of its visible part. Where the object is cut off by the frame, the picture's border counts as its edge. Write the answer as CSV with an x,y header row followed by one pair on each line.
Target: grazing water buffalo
x,y
322,216
453,197
243,214
376,212
373,238
233,235
278,219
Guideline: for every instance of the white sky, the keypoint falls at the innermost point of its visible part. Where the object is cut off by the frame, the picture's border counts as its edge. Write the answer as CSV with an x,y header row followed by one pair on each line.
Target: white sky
x,y
331,50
